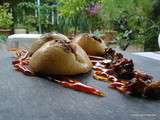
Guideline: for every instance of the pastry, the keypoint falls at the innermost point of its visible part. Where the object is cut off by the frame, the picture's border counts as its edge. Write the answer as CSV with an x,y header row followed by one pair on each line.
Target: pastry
x,y
45,38
60,57
91,44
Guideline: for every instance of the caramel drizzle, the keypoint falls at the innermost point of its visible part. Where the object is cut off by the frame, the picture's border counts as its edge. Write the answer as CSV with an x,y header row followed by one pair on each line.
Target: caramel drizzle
x,y
22,60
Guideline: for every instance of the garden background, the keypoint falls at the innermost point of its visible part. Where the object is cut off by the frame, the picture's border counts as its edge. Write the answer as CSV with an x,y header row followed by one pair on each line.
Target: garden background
x,y
125,22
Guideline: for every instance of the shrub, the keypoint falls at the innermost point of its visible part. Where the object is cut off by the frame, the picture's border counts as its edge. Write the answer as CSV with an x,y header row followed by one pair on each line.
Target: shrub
x,y
5,16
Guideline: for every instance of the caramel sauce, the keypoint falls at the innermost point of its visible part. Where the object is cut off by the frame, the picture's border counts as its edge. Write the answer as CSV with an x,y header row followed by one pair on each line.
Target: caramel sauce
x,y
21,64
103,72
101,69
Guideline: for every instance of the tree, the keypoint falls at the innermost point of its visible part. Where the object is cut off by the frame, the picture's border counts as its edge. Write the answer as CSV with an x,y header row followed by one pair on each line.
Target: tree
x,y
156,10
153,28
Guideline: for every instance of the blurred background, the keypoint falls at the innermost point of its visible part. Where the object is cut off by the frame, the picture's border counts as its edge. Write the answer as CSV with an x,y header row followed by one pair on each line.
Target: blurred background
x,y
130,25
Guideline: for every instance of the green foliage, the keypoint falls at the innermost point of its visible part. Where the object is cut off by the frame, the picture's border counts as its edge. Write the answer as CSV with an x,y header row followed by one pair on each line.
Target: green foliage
x,y
152,28
2,38
113,8
71,8
27,16
30,23
130,28
5,16
156,9
69,14
128,18
151,36
77,16
26,6
135,21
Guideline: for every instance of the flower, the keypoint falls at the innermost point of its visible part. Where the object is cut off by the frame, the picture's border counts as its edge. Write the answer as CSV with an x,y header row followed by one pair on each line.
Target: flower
x,y
92,9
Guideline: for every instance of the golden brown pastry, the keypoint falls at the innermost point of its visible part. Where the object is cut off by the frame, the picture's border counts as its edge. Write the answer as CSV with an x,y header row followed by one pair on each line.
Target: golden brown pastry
x,y
60,57
45,38
91,44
